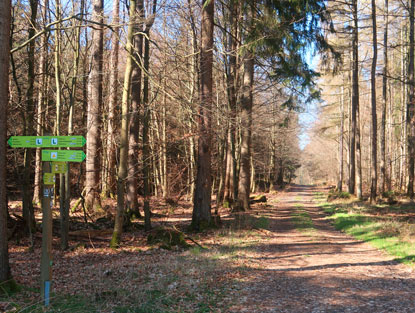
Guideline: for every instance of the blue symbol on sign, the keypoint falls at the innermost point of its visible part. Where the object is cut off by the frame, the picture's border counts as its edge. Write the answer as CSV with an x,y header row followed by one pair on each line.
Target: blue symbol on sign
x,y
54,141
39,141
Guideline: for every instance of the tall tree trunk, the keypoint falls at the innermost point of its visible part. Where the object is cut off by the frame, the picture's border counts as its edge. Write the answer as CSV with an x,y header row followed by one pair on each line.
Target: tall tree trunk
x,y
355,99
133,149
194,89
5,274
42,94
92,179
411,104
72,98
384,103
230,176
122,167
349,123
403,141
146,121
28,211
113,101
203,188
341,140
164,148
359,175
244,182
374,173
64,218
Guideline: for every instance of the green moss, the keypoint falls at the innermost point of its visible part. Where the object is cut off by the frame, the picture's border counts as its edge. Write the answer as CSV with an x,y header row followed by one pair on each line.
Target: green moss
x,y
167,238
203,225
261,223
115,240
334,194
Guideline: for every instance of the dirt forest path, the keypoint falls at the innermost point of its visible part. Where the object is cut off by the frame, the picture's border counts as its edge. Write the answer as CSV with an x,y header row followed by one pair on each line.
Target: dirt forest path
x,y
322,270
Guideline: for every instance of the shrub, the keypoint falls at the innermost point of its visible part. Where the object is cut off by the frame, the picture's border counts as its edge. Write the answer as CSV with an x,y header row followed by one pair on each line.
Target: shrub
x,y
333,195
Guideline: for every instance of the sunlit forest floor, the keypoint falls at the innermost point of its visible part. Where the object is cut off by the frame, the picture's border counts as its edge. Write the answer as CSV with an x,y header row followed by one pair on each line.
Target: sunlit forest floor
x,y
284,255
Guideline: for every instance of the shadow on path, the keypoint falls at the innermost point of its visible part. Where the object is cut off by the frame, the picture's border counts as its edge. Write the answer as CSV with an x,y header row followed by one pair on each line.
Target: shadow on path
x,y
322,270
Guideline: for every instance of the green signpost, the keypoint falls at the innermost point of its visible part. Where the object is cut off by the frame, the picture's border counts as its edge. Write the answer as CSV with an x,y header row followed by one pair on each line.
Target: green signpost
x,y
49,178
59,167
63,155
58,159
46,141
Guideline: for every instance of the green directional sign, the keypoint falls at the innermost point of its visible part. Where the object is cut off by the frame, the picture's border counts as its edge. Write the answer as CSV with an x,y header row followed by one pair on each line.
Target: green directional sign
x,y
46,141
49,178
59,167
63,155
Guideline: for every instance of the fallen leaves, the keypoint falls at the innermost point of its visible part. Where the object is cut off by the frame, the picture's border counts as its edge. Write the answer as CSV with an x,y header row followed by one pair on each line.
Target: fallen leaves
x,y
247,269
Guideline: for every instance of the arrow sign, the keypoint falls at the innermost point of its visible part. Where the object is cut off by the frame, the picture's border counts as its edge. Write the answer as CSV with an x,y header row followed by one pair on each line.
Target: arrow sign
x,y
46,141
63,155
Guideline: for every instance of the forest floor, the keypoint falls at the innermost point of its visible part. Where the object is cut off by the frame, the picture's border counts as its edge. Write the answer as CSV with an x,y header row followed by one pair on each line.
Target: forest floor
x,y
282,256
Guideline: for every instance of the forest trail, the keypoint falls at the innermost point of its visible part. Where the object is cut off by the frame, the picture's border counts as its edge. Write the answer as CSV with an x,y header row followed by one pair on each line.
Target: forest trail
x,y
282,256
320,269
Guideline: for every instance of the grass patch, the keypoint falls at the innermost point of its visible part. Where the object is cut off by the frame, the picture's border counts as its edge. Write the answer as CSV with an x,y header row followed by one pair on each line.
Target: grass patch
x,y
57,304
334,194
302,219
243,222
261,223
384,233
319,196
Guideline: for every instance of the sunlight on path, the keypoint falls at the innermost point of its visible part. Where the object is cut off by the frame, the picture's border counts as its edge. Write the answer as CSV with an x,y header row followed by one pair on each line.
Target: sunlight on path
x,y
321,270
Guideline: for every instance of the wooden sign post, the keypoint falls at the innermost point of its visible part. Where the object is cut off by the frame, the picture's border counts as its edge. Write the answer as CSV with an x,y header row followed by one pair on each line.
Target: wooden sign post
x,y
59,159
46,259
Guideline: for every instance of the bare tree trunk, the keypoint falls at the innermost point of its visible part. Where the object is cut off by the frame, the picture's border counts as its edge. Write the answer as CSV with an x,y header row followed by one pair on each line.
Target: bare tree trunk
x,y
355,99
72,96
403,141
5,274
411,104
122,167
341,139
42,93
133,149
194,88
349,123
28,211
244,187
92,179
110,183
384,103
374,172
252,179
57,56
146,121
359,177
164,175
203,188
230,178
64,218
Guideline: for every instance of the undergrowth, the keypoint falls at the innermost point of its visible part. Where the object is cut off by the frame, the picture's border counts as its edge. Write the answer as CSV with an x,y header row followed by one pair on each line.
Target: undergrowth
x,y
193,280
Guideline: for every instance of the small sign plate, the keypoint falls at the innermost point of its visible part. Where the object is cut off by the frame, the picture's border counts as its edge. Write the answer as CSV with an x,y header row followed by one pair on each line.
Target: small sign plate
x,y
49,178
59,167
